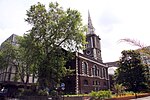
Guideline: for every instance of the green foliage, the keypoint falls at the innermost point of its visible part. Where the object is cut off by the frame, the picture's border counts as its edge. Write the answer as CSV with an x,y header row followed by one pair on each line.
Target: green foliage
x,y
20,92
52,30
53,93
119,89
7,54
12,56
43,92
128,93
25,92
131,71
28,92
93,94
100,95
45,49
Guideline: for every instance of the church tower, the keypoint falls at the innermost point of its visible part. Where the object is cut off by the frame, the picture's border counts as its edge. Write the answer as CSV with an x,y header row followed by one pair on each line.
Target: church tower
x,y
93,48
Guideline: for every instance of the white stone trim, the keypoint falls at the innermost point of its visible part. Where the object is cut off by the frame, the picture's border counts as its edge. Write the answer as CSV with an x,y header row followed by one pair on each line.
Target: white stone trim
x,y
102,73
83,68
95,43
77,80
94,53
91,42
92,61
91,76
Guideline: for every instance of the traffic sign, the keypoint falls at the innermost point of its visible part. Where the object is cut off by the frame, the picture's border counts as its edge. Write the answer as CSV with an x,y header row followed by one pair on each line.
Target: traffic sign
x,y
62,86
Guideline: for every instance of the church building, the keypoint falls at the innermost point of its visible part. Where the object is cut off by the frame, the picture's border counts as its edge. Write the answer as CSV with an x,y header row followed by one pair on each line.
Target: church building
x,y
91,74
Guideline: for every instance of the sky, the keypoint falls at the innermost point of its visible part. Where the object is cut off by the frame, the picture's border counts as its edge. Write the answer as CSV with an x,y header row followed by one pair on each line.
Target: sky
x,y
112,19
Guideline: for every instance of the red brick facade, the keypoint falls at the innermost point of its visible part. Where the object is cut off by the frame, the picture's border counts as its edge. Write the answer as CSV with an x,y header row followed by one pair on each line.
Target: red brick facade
x,y
90,75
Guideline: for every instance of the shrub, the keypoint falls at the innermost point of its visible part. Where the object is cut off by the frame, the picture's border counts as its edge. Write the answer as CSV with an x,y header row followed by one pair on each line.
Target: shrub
x,y
101,95
93,94
20,92
28,92
119,89
53,93
43,92
25,92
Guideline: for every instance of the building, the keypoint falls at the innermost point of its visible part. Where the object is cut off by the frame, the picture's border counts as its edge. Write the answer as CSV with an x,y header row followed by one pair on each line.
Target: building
x,y
91,74
9,73
112,66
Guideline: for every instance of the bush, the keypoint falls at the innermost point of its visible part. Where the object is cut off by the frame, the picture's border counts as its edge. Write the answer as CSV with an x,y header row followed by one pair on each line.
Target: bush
x,y
25,92
93,94
43,92
28,92
53,93
128,93
20,92
101,95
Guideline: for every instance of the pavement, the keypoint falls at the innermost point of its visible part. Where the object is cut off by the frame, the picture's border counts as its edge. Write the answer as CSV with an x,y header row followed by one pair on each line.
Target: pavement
x,y
143,98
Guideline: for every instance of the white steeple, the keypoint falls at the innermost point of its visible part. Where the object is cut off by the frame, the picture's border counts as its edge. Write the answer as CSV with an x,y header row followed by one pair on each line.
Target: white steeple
x,y
91,29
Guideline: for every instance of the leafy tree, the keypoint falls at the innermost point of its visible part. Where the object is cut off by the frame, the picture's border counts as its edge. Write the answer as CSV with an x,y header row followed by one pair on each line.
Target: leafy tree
x,y
52,30
12,56
131,71
144,51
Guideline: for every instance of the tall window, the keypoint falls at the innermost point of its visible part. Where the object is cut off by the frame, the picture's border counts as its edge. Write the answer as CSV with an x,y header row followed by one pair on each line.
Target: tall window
x,y
85,67
85,82
104,73
92,71
95,70
100,72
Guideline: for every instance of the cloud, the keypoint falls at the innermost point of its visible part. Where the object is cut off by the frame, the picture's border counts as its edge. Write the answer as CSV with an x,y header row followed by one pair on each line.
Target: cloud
x,y
112,19
107,20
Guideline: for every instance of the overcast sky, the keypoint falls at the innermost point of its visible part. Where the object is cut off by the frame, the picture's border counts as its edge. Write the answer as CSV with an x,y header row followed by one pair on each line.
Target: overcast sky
x,y
112,19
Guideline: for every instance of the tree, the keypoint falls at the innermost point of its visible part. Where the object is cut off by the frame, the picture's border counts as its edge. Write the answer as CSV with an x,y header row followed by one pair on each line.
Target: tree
x,y
131,71
52,30
13,56
144,52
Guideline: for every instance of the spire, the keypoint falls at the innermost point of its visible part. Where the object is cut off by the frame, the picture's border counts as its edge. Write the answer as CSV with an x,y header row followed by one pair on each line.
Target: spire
x,y
90,26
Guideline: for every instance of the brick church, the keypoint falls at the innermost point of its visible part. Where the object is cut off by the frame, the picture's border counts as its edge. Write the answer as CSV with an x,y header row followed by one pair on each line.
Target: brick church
x,y
91,74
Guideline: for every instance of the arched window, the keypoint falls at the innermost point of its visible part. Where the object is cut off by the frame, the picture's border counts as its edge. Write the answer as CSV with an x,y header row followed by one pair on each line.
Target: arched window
x,y
98,72
96,83
105,84
95,70
85,82
104,73
84,67
101,73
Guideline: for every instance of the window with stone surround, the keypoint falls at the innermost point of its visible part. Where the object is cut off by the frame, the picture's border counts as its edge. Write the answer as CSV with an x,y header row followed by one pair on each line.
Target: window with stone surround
x,y
104,72
101,73
84,67
85,82
96,83
95,71
93,82
105,84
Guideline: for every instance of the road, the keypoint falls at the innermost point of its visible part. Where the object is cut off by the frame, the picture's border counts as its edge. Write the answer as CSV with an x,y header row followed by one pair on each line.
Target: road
x,y
144,98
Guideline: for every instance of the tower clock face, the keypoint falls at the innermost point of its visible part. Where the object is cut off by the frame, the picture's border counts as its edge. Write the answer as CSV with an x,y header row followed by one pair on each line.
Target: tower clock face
x,y
88,52
99,53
